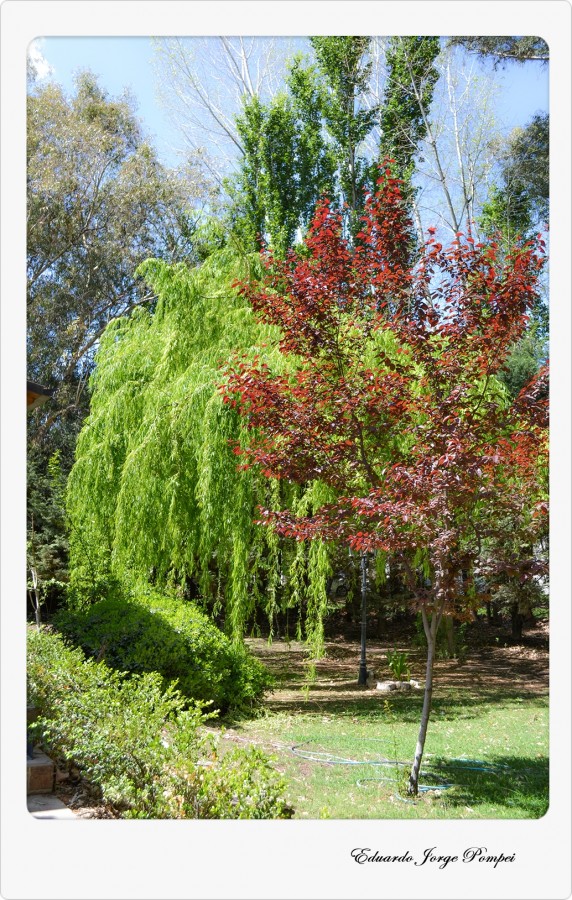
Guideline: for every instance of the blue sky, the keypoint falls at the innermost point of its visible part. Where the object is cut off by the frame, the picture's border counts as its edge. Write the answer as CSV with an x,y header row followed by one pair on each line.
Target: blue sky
x,y
120,63
128,63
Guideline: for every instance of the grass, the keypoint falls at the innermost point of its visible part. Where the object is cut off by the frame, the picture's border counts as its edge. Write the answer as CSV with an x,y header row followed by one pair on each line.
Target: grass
x,y
346,751
494,753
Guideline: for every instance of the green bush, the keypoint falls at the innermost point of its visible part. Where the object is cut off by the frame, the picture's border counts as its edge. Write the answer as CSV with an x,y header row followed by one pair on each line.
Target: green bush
x,y
156,633
398,664
142,745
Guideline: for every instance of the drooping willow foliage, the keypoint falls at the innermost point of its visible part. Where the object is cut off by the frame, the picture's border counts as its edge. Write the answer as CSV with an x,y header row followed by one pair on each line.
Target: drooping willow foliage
x,y
155,494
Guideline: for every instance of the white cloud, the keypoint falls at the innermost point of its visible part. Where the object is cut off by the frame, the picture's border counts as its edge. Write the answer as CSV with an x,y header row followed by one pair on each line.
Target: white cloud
x,y
37,62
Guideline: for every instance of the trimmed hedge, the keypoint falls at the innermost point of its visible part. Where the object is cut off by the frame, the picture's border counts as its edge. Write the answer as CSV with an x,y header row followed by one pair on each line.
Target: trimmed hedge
x,y
141,745
156,633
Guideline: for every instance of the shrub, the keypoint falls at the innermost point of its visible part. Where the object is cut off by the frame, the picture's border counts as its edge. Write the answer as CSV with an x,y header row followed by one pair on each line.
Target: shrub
x,y
156,633
241,787
398,664
141,744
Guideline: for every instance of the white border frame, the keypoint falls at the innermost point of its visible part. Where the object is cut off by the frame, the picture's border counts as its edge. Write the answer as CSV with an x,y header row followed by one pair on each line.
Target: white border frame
x,y
150,859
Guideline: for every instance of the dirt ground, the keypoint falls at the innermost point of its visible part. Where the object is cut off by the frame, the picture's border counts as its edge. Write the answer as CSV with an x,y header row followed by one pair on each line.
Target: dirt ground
x,y
491,665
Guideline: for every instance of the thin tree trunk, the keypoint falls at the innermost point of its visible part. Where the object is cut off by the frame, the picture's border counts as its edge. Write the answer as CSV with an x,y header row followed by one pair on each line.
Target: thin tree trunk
x,y
433,144
36,600
431,635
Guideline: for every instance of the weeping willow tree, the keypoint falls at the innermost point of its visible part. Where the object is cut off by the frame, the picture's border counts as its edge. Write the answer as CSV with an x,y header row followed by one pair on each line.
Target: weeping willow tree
x,y
156,494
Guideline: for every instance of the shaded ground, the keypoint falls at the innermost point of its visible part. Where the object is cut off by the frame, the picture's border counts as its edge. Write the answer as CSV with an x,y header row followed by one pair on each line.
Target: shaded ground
x,y
492,667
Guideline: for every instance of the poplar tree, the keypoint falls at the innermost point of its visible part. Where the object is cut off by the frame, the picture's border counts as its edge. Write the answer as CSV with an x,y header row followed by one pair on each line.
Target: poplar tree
x,y
411,79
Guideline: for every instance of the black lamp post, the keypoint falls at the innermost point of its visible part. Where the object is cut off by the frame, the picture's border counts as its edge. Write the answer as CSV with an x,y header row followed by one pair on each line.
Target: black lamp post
x,y
362,675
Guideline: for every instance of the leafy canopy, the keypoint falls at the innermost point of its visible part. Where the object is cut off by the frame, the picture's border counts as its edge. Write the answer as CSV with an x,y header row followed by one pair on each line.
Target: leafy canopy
x,y
393,402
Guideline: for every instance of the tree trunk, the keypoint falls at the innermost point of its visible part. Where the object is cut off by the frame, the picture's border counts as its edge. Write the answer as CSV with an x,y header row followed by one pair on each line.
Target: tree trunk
x,y
450,632
431,635
517,620
492,613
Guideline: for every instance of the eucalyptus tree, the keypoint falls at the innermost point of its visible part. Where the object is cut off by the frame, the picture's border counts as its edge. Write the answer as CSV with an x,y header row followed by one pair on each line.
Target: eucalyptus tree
x,y
504,49
99,203
519,200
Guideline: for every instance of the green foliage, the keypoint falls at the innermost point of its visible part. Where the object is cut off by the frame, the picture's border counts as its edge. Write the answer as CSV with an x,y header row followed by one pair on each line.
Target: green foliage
x,y
507,210
243,786
518,202
522,598
152,632
528,161
319,570
98,204
411,80
286,165
345,68
155,494
155,485
517,206
47,548
304,143
450,641
140,744
525,360
506,49
398,664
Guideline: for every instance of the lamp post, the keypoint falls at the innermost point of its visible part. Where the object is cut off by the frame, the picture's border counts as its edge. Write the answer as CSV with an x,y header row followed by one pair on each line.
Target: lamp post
x,y
362,675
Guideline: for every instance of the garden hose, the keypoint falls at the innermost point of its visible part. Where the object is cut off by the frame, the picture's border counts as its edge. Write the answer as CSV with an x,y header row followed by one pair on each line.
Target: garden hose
x,y
463,764
335,760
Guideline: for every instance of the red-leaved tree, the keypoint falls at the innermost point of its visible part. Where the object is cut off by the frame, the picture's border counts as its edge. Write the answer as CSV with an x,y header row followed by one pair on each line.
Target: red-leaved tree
x,y
388,395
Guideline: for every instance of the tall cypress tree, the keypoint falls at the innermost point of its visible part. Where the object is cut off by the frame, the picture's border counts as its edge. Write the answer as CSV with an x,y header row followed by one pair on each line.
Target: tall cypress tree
x,y
286,166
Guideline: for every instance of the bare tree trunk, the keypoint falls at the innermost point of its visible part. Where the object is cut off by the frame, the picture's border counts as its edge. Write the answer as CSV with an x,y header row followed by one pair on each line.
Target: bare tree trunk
x,y
492,613
431,635
433,144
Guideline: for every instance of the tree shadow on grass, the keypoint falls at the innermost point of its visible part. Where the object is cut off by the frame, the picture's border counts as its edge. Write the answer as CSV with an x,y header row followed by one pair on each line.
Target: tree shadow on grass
x,y
403,707
516,782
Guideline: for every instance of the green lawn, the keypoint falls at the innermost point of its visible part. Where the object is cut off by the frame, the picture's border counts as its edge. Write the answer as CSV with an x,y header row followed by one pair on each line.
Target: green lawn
x,y
494,755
